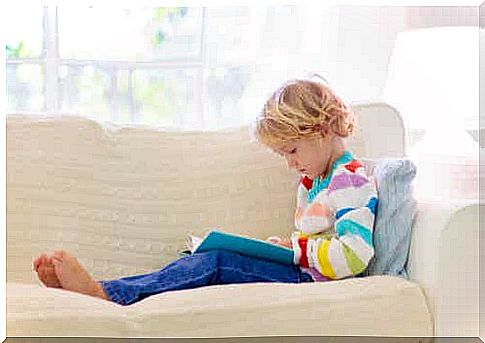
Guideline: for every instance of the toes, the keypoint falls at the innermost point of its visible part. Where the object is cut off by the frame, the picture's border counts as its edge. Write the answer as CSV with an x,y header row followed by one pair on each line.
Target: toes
x,y
55,262
42,273
44,259
54,259
39,261
48,276
57,267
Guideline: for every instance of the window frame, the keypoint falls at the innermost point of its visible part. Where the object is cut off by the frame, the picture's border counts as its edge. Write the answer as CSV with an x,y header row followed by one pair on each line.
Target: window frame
x,y
51,61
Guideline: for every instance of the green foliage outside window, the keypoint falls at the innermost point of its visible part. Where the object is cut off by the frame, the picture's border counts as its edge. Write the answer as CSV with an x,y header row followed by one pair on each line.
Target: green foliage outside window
x,y
155,97
160,14
16,52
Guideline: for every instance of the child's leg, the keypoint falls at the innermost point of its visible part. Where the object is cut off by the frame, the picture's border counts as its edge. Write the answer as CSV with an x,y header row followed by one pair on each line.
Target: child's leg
x,y
197,270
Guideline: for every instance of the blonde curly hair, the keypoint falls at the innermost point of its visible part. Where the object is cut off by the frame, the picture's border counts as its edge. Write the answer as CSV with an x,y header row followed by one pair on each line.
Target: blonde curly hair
x,y
302,109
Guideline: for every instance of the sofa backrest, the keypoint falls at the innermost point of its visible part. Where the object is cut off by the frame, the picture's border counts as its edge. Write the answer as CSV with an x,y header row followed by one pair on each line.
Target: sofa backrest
x,y
123,198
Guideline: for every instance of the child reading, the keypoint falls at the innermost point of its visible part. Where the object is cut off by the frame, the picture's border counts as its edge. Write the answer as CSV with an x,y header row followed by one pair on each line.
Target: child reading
x,y
307,123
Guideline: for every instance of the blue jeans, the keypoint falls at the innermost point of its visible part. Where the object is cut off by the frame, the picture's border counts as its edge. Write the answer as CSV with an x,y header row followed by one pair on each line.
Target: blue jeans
x,y
217,267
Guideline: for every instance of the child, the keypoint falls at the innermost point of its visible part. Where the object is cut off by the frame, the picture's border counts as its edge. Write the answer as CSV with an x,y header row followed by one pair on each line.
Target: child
x,y
305,122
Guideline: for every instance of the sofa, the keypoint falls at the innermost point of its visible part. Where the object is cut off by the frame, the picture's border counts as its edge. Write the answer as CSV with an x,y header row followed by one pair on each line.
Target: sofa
x,y
123,198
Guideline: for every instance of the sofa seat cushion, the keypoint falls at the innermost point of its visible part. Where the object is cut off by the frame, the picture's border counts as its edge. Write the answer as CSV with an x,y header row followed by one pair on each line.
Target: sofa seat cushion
x,y
374,305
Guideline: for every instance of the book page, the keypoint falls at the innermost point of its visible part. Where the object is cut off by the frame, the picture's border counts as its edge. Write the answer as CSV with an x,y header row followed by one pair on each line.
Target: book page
x,y
192,242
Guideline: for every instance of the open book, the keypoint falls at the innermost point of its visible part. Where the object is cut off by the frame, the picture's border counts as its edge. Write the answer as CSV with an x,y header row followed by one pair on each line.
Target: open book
x,y
252,247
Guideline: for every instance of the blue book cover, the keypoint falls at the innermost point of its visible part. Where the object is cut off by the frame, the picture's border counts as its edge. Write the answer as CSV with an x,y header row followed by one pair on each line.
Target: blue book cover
x,y
243,245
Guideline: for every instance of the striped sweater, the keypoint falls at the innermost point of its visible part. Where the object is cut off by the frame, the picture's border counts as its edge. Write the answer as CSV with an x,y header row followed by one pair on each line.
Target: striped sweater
x,y
334,221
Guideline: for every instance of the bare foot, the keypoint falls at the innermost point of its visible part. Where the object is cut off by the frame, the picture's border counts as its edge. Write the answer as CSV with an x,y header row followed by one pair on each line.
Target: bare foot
x,y
46,272
73,277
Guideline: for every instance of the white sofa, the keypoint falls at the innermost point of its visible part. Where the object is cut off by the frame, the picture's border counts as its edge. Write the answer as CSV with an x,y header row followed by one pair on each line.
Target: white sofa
x,y
123,199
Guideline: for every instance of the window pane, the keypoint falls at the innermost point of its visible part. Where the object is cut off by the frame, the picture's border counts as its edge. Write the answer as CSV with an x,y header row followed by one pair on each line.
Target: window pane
x,y
226,96
85,90
25,87
23,32
166,97
129,34
122,104
233,34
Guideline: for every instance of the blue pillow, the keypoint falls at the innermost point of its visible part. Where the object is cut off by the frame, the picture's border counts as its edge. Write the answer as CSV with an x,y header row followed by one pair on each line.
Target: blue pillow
x,y
395,215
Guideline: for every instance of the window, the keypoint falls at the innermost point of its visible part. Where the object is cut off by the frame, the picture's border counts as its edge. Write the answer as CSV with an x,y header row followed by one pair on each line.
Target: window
x,y
25,68
137,34
207,68
140,66
168,66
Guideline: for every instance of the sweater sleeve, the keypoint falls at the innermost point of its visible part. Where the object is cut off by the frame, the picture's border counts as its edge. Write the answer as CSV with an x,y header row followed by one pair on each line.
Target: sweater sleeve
x,y
301,200
315,217
352,199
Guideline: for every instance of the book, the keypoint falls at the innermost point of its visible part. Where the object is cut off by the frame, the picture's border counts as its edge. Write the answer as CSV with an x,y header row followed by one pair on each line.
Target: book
x,y
252,247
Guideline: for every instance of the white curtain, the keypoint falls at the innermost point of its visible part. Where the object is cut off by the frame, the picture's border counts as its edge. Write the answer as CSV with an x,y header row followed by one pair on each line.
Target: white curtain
x,y
350,46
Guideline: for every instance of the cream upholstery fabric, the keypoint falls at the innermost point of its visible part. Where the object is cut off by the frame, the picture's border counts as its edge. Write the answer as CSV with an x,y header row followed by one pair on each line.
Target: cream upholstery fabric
x,y
123,199
376,305
135,193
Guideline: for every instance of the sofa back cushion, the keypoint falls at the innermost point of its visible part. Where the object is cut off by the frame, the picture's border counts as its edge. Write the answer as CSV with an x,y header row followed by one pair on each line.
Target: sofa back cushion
x,y
123,199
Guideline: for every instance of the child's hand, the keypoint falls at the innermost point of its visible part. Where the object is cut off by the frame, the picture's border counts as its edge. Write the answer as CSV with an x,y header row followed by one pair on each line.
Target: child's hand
x,y
273,239
279,241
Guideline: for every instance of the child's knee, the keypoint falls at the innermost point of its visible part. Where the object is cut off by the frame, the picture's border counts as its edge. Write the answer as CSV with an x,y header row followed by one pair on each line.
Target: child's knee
x,y
218,257
207,257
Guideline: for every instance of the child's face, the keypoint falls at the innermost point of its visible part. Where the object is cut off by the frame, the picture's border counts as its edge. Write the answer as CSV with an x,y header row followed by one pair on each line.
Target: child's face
x,y
310,156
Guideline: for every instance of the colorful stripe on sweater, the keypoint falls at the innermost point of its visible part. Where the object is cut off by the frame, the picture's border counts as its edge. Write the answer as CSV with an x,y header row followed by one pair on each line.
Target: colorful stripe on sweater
x,y
334,221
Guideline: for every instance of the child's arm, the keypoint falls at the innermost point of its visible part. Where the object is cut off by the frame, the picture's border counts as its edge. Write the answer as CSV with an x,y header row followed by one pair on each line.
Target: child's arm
x,y
349,250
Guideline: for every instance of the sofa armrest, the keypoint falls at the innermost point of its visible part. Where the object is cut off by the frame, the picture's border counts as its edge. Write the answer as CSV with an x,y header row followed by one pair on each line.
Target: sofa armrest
x,y
443,259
